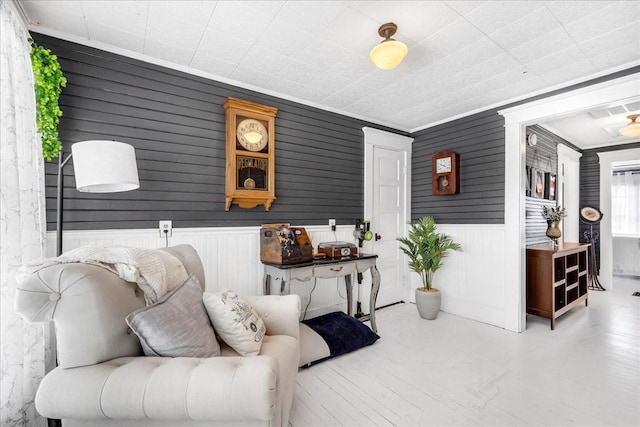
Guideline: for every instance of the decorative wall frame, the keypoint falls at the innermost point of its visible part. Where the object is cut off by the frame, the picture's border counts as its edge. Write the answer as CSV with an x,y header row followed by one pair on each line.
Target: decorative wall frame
x,y
550,186
537,189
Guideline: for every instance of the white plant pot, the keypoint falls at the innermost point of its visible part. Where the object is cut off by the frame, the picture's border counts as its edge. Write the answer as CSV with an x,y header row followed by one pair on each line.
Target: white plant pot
x,y
428,303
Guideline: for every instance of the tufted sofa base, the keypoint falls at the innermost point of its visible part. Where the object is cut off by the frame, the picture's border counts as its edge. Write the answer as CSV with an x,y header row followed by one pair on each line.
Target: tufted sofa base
x,y
180,389
162,423
103,379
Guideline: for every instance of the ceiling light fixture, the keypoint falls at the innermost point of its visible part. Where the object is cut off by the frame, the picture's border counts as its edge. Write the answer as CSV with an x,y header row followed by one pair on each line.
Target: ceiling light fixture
x,y
389,53
633,128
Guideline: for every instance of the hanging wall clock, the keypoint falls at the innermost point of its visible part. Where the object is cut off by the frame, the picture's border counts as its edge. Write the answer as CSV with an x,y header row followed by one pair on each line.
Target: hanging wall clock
x,y
250,152
444,173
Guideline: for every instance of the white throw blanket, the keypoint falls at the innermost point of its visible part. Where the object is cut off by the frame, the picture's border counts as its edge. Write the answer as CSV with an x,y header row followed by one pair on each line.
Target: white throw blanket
x,y
156,272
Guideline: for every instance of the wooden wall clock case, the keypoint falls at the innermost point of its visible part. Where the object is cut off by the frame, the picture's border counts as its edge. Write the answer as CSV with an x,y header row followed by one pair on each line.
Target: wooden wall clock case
x,y
445,170
250,154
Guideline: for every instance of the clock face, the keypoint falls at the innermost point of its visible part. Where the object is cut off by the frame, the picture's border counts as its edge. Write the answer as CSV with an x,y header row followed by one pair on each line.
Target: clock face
x,y
443,165
252,135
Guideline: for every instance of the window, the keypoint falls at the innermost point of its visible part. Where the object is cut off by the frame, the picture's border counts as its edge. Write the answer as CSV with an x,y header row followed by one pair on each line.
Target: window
x,y
625,203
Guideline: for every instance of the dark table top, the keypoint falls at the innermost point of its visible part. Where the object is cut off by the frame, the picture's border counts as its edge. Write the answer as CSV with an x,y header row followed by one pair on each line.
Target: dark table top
x,y
322,261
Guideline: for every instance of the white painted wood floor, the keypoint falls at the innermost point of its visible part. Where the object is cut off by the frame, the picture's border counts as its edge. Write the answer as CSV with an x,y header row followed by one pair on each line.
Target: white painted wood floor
x,y
457,372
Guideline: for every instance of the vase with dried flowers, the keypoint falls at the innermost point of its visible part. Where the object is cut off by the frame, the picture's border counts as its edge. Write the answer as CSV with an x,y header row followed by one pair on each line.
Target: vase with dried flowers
x,y
553,215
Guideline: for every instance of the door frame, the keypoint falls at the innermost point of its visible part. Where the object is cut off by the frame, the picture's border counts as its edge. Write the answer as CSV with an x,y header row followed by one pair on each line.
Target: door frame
x,y
607,159
516,119
374,138
568,155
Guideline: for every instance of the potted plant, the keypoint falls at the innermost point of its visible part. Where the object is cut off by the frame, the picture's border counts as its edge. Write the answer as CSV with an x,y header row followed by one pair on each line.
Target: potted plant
x,y
553,215
426,249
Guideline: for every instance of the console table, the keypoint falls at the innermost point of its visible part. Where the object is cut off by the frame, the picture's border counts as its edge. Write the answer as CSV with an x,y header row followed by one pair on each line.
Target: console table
x,y
556,279
326,269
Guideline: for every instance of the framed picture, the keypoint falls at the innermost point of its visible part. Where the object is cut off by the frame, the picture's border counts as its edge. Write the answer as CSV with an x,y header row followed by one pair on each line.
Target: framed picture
x,y
549,186
538,184
529,181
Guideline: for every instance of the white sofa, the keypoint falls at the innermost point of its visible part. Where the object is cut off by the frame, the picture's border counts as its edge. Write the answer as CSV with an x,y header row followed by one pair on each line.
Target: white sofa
x,y
103,379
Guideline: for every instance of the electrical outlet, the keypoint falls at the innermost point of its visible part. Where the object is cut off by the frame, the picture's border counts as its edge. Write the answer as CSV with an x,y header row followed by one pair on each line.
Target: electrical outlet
x,y
332,224
166,228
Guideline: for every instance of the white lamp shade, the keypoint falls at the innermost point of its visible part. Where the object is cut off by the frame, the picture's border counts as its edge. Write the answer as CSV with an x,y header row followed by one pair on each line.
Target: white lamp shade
x,y
632,129
104,166
388,54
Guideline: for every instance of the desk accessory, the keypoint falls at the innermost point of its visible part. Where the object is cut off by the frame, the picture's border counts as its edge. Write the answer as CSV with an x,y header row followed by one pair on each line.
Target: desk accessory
x,y
283,244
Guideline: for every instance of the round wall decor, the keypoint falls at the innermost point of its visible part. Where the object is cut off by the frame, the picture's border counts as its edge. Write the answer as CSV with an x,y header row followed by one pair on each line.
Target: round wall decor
x,y
590,215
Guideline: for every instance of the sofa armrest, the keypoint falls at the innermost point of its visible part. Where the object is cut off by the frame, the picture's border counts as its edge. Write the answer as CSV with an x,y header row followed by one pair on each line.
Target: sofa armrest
x,y
280,313
181,388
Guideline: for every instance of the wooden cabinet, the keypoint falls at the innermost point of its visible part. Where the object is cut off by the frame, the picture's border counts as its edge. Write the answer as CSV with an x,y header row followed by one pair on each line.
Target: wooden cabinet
x,y
556,279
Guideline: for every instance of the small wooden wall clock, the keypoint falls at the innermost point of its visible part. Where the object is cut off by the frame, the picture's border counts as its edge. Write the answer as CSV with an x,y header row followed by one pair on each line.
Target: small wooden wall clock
x,y
250,150
445,169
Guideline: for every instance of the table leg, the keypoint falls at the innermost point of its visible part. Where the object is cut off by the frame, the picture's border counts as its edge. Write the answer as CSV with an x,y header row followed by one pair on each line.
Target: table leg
x,y
375,286
349,286
266,285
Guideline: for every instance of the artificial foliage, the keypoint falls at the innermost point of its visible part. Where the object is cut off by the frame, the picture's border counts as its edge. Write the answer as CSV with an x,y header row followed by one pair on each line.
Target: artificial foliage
x,y
553,213
48,84
426,249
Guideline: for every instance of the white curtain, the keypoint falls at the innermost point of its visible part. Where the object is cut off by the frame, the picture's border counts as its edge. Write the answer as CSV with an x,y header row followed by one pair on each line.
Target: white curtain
x,y
22,229
625,204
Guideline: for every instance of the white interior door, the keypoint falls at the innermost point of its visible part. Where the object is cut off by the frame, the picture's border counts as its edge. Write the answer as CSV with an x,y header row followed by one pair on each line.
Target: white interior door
x,y
568,191
387,198
387,221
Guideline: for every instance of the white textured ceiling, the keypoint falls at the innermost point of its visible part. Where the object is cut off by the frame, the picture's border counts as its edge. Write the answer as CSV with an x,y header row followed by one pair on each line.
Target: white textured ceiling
x,y
597,127
463,56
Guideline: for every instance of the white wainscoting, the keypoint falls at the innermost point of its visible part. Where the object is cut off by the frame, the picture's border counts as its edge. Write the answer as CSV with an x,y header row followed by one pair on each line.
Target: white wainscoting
x,y
230,256
472,282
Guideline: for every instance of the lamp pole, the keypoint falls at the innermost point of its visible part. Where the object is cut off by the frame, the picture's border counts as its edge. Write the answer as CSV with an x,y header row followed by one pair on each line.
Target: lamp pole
x,y
62,161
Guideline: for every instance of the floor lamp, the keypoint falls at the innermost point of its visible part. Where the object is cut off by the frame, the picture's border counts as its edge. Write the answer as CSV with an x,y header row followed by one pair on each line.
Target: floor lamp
x,y
99,167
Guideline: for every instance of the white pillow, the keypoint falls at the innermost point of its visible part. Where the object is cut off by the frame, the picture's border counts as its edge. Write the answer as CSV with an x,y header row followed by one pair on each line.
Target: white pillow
x,y
235,321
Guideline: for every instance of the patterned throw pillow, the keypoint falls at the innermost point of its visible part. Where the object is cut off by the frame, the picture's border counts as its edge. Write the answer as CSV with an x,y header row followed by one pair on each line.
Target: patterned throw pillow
x,y
177,325
235,321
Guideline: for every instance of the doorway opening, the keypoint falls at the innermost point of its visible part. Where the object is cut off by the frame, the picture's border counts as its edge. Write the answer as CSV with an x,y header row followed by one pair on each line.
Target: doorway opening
x,y
516,120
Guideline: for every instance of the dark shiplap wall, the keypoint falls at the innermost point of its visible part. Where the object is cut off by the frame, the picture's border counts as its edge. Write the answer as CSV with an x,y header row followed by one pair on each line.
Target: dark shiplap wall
x,y
590,185
479,140
175,121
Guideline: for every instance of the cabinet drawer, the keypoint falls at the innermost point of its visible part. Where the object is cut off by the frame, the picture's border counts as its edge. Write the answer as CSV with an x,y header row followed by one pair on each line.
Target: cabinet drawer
x,y
301,274
335,270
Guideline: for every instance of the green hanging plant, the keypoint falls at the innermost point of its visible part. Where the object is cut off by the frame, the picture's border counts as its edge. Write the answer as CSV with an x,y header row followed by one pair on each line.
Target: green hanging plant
x,y
48,84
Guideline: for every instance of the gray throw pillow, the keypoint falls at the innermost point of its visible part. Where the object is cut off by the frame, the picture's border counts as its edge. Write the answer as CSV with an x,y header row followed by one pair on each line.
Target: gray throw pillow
x,y
177,325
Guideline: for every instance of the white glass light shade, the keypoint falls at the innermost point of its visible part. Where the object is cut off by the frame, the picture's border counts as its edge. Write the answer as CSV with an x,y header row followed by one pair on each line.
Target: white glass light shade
x,y
388,54
104,166
632,129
